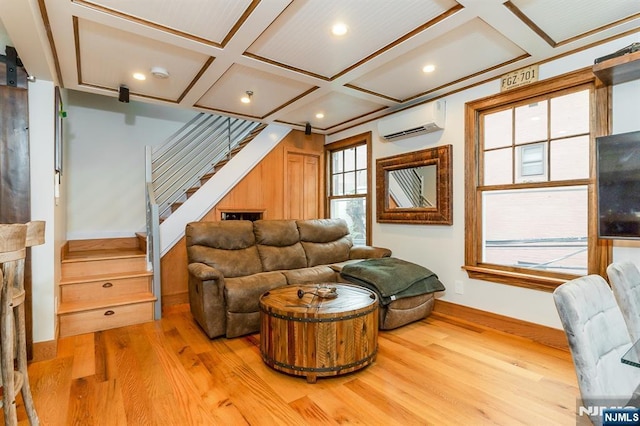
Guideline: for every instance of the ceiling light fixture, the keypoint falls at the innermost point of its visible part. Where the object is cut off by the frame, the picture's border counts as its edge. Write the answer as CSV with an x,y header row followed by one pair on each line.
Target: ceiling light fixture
x,y
139,76
339,29
429,68
319,115
159,72
247,98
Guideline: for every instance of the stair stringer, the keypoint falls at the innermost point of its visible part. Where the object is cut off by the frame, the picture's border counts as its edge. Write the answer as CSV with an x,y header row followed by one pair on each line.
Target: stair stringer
x,y
210,194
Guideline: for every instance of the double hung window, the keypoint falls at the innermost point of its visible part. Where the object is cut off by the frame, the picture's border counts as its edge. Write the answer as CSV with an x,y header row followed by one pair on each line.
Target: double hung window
x,y
530,214
349,185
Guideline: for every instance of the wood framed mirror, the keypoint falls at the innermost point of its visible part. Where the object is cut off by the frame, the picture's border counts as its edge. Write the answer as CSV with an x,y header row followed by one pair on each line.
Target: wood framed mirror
x,y
415,187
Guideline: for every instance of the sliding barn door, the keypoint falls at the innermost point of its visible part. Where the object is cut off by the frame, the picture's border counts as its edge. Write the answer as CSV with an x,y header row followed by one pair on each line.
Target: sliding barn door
x,y
15,195
14,156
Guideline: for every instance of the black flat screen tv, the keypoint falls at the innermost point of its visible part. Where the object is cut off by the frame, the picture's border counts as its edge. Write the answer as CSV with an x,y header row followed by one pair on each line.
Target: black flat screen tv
x,y
618,184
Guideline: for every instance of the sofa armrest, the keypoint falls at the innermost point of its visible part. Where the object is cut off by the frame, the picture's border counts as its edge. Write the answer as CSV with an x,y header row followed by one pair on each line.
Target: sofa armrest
x,y
368,252
206,298
204,272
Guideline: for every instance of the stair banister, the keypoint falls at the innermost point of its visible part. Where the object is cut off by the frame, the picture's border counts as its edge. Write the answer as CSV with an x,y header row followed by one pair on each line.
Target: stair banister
x,y
172,229
153,239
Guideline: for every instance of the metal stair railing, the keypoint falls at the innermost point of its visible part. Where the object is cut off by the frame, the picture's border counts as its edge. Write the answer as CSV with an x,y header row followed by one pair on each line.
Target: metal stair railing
x,y
192,152
410,183
176,166
153,249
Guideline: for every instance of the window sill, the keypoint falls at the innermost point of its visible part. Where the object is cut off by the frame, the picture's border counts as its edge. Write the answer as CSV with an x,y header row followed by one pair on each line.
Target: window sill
x,y
517,279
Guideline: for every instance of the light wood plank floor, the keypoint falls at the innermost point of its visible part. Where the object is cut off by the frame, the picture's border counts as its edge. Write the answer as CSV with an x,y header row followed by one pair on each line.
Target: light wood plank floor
x,y
439,371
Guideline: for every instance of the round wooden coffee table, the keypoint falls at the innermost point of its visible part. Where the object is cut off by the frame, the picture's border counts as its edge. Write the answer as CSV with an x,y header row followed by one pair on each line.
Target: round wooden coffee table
x,y
316,336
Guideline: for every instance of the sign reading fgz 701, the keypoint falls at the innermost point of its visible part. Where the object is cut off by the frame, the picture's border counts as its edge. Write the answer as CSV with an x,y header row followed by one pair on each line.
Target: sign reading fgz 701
x,y
519,78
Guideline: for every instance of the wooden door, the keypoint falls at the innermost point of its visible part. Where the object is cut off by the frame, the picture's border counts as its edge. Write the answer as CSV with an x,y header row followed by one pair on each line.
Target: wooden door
x,y
302,186
15,194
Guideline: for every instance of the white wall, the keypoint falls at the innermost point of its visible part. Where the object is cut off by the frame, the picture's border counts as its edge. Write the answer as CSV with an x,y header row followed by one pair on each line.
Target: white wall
x,y
45,258
441,247
104,161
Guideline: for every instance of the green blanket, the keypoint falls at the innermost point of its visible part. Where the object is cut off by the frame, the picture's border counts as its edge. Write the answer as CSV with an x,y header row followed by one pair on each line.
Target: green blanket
x,y
392,278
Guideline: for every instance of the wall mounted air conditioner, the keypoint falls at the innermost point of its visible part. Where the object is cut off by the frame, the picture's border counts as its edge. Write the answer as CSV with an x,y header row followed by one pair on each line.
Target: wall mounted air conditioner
x,y
413,121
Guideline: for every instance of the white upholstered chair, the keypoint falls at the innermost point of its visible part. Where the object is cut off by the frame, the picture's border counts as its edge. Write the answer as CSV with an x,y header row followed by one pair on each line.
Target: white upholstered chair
x,y
598,338
625,282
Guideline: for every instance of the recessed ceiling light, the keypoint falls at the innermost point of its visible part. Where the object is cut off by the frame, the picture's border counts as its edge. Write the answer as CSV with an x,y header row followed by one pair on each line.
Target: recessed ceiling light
x,y
139,76
319,115
429,68
339,29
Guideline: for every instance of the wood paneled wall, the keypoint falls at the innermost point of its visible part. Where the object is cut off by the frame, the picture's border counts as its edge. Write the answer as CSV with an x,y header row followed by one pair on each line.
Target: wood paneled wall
x,y
264,189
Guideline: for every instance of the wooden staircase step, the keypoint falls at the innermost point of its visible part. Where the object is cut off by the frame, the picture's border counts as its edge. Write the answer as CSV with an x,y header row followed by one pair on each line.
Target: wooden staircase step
x,y
257,130
72,307
191,191
80,318
206,177
102,277
102,243
85,258
104,284
142,241
89,255
220,164
99,265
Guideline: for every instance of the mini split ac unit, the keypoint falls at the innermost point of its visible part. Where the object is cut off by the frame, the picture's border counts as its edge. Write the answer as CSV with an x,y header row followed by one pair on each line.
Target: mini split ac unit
x,y
414,121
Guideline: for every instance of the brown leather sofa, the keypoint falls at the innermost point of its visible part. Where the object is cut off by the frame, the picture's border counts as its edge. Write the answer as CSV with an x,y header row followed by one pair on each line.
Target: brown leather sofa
x,y
232,263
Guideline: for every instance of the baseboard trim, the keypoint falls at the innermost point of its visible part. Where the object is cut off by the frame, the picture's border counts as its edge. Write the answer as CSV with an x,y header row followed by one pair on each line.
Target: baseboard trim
x,y
536,332
43,351
174,299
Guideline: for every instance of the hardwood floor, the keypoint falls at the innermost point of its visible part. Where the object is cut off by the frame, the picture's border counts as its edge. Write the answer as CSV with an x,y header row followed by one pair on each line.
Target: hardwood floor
x,y
438,371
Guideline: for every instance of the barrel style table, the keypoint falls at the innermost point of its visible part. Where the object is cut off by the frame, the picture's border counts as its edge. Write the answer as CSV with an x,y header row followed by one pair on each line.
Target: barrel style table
x,y
318,330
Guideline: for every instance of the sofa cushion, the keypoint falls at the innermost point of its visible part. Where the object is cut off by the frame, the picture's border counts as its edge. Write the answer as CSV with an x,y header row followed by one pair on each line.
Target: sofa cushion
x,y
322,230
279,233
325,241
404,311
279,245
313,275
326,253
228,246
242,294
231,263
226,234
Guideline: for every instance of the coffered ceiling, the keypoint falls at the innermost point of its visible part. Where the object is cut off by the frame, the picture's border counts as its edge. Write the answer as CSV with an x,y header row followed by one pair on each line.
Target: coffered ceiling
x,y
284,52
